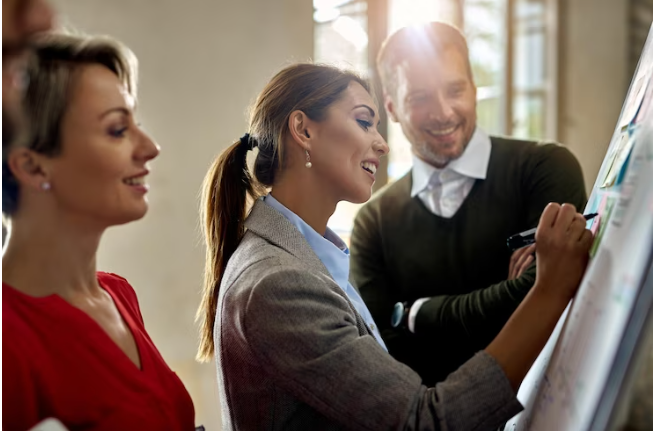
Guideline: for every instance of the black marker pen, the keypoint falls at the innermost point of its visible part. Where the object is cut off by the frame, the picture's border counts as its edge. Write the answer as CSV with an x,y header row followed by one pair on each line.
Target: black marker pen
x,y
527,237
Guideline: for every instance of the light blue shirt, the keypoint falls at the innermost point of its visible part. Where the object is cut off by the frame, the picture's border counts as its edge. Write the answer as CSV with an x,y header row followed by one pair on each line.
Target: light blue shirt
x,y
334,254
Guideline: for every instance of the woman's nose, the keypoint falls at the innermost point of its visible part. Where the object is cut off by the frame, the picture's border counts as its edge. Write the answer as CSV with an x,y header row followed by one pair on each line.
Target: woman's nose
x,y
148,149
381,147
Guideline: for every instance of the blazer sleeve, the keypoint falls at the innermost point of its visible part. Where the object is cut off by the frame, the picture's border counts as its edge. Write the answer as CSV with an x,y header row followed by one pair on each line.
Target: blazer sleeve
x,y
304,334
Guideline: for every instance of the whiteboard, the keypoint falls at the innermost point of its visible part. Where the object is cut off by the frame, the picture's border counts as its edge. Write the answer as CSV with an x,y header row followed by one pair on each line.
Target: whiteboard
x,y
569,380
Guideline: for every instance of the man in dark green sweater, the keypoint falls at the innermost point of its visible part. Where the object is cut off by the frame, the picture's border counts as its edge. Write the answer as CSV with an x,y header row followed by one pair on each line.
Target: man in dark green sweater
x,y
435,240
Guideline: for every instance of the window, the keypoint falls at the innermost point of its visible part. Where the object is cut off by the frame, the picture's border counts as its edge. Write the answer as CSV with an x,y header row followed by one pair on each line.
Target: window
x,y
484,24
531,83
341,39
341,33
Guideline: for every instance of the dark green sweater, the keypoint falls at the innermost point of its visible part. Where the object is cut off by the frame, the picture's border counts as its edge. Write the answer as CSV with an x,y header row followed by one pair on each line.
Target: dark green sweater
x,y
400,251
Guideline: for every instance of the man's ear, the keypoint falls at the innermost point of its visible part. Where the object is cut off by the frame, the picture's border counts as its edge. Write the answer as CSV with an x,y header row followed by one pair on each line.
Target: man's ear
x,y
299,127
28,167
389,104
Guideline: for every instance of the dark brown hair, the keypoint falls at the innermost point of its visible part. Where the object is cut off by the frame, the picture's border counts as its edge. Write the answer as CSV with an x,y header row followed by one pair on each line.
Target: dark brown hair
x,y
52,73
434,37
310,88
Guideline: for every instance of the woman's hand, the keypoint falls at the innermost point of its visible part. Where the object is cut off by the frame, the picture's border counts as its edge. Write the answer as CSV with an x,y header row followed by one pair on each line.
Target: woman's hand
x,y
563,243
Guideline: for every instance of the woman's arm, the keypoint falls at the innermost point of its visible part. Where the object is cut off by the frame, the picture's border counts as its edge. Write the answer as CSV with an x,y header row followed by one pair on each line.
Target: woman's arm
x,y
304,334
562,255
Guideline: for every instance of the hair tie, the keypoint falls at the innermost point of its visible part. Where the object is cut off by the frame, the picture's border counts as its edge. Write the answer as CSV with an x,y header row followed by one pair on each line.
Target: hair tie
x,y
248,141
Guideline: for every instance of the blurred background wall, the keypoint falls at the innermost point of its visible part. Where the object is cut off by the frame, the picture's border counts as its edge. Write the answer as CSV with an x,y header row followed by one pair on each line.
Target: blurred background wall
x,y
546,69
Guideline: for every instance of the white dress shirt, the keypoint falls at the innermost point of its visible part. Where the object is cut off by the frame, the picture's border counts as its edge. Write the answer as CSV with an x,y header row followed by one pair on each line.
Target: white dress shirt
x,y
443,191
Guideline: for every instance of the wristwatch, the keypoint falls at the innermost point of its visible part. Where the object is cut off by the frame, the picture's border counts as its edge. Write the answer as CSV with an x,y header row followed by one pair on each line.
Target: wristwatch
x,y
400,316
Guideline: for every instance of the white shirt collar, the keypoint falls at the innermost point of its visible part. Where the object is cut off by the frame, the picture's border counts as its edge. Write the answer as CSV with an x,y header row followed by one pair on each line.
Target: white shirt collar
x,y
473,163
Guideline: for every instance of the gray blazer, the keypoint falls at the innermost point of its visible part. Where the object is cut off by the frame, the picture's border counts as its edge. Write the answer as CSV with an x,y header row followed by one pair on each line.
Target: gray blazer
x,y
293,353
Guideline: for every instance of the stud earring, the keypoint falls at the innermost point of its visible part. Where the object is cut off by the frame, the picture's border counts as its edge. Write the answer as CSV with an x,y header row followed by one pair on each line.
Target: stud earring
x,y
45,186
308,163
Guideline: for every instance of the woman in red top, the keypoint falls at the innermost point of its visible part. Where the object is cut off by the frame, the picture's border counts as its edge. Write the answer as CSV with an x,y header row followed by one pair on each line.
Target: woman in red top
x,y
74,346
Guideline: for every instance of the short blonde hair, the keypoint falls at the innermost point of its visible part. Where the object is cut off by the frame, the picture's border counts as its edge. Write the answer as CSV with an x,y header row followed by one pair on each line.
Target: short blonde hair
x,y
420,40
51,75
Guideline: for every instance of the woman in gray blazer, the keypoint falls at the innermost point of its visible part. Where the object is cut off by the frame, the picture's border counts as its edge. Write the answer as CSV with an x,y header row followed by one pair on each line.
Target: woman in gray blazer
x,y
296,347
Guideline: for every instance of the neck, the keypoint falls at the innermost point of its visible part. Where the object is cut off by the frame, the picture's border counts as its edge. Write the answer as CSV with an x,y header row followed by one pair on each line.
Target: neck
x,y
46,255
438,164
306,199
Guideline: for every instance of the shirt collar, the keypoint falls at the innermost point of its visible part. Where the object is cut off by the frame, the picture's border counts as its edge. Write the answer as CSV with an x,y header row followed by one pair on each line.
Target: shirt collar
x,y
330,249
473,163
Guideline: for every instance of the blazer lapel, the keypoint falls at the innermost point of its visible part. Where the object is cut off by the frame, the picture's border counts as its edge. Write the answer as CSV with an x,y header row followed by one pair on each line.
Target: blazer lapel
x,y
272,226
269,224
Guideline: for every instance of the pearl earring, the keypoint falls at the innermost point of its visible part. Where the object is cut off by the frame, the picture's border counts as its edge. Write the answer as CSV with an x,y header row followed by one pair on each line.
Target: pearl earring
x,y
45,186
308,163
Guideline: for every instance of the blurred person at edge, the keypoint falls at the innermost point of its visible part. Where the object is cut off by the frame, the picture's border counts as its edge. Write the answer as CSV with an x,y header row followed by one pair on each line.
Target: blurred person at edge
x,y
21,21
74,343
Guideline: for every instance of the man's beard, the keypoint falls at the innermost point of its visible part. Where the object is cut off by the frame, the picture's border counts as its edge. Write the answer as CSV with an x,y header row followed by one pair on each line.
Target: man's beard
x,y
429,155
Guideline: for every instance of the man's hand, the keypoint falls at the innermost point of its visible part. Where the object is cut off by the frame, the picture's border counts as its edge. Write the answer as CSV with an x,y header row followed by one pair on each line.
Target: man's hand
x,y
562,249
520,261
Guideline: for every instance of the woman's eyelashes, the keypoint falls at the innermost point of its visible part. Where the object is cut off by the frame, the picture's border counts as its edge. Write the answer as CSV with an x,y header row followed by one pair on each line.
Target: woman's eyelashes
x,y
365,124
118,132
